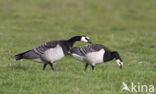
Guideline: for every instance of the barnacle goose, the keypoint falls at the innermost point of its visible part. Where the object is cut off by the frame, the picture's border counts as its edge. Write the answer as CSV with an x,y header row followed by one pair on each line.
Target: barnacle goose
x,y
52,51
95,54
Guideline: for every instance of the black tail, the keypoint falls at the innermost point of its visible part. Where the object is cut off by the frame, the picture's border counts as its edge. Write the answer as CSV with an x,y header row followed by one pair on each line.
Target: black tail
x,y
20,56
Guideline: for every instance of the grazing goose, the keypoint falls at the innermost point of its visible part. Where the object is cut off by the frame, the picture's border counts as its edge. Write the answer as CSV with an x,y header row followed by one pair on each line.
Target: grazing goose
x,y
52,51
95,54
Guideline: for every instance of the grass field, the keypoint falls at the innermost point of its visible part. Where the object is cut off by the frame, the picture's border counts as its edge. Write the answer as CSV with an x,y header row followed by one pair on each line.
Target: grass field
x,y
128,26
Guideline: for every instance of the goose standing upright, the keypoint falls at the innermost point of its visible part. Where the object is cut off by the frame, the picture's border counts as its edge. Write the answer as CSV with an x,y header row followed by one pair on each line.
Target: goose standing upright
x,y
95,54
52,51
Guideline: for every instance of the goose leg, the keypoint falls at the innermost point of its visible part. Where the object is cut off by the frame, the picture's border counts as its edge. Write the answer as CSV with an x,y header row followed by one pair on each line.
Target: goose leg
x,y
92,67
51,65
86,67
44,66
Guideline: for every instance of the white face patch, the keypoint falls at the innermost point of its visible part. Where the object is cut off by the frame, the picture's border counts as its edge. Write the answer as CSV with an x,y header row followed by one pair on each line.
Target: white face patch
x,y
87,37
119,62
84,39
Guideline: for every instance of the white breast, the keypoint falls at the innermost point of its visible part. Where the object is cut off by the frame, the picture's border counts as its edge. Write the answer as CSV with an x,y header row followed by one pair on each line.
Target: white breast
x,y
53,54
95,57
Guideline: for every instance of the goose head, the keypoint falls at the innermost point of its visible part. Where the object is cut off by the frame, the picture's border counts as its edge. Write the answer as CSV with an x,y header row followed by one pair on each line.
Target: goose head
x,y
85,39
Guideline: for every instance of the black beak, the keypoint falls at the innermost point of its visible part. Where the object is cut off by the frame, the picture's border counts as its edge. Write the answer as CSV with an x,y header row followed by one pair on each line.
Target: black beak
x,y
89,41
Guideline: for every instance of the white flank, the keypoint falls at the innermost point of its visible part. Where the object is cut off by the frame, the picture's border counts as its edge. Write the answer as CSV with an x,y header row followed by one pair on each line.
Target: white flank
x,y
95,57
80,58
91,58
53,54
38,60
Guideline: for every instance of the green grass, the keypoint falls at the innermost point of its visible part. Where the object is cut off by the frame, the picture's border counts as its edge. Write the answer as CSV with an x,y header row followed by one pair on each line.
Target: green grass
x,y
128,26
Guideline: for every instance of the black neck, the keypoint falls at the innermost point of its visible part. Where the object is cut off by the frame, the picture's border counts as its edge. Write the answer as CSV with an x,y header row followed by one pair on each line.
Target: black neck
x,y
68,44
73,40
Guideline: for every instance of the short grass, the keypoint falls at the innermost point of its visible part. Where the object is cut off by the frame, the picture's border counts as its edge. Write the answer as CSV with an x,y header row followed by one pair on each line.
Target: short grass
x,y
127,26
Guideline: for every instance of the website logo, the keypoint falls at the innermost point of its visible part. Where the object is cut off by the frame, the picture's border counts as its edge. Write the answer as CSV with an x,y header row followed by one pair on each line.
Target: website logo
x,y
138,87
